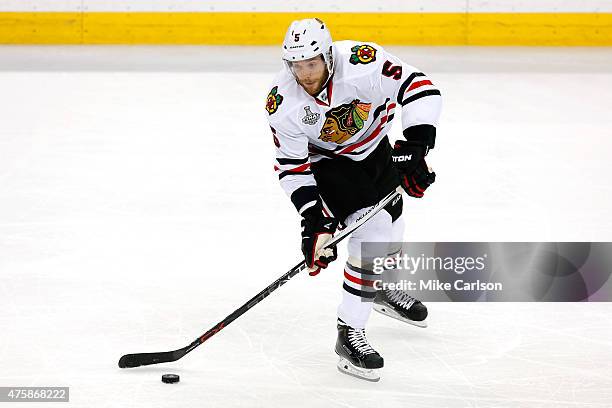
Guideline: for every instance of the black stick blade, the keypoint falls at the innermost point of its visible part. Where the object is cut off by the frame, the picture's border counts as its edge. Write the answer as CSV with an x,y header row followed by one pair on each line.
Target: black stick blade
x,y
140,359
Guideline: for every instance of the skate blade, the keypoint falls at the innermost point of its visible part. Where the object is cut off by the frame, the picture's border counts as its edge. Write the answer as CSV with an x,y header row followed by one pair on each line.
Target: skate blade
x,y
388,311
346,367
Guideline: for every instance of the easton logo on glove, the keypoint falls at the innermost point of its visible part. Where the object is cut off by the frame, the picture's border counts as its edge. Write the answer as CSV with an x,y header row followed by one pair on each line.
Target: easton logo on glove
x,y
399,159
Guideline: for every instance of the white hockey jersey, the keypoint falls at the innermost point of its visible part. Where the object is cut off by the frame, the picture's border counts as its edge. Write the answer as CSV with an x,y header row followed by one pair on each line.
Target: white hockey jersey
x,y
348,118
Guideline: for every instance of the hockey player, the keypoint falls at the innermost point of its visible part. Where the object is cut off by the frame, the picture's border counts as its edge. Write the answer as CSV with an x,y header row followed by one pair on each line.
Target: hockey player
x,y
329,110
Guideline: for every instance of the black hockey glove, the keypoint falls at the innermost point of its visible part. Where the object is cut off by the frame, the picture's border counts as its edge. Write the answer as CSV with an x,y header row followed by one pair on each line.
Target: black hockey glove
x,y
316,231
409,159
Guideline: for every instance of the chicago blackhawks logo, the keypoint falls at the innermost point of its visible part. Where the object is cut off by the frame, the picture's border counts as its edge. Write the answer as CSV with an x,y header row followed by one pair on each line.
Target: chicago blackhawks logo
x,y
344,121
363,54
274,100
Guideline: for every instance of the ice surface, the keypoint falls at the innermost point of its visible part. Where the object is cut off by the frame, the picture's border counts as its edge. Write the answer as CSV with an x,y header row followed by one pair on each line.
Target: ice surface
x,y
138,207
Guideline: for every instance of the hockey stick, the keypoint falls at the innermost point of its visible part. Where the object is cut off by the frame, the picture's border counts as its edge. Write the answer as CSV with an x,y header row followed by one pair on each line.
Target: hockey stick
x,y
140,359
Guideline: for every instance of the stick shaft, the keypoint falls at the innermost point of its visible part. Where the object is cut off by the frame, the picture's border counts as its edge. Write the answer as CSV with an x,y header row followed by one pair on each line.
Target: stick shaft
x,y
135,360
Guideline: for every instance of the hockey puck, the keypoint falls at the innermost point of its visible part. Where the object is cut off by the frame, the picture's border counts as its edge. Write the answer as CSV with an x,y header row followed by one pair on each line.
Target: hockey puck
x,y
170,378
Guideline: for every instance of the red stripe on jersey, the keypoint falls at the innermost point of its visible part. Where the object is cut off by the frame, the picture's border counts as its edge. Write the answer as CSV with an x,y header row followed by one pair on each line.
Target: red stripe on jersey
x,y
419,84
375,133
301,168
362,282
297,169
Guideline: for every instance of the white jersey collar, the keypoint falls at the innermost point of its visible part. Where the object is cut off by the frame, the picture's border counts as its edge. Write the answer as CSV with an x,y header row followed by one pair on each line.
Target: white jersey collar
x,y
325,96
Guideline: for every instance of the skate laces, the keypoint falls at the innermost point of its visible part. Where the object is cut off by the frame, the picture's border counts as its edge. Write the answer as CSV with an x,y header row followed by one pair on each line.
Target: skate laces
x,y
358,340
401,298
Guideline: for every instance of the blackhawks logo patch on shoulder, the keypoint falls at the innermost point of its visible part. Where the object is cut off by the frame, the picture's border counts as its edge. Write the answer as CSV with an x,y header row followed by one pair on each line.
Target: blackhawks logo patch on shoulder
x,y
274,100
363,54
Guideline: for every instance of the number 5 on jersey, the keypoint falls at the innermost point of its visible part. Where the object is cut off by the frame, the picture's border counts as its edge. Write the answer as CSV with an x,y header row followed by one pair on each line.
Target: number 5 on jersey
x,y
392,71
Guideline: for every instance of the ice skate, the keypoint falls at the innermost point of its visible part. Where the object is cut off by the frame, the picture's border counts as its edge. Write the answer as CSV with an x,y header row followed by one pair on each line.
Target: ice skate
x,y
357,357
399,305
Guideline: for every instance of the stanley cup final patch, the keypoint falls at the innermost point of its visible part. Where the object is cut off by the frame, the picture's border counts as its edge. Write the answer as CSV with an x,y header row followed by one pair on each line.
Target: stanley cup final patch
x,y
310,118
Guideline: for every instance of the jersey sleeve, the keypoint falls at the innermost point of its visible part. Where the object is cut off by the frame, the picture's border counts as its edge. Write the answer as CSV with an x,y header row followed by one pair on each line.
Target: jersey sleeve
x,y
413,91
292,166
